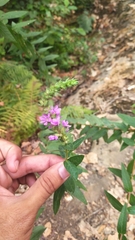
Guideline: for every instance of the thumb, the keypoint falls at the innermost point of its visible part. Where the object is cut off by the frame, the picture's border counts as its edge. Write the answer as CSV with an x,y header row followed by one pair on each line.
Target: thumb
x,y
45,185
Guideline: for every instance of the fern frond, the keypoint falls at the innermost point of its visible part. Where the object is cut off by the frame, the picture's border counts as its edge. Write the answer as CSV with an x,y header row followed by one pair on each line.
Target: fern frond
x,y
20,109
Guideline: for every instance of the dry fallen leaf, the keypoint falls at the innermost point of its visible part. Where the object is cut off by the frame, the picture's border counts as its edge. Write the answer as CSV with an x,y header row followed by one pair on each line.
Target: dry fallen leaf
x,y
48,229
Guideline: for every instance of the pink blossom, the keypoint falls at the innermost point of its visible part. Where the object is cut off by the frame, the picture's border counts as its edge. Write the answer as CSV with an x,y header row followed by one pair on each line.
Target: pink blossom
x,y
55,121
65,124
55,110
45,119
53,137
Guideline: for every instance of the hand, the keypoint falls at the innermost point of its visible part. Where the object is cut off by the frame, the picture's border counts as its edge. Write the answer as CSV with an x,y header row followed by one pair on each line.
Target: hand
x,y
17,213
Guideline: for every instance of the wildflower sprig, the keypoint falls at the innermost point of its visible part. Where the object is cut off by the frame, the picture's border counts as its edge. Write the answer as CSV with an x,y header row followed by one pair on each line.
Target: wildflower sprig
x,y
55,89
57,138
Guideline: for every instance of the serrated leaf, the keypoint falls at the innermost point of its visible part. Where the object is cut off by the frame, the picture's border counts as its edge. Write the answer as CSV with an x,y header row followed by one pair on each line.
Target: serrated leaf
x,y
116,172
76,160
59,193
72,169
99,134
130,166
3,2
77,143
37,232
126,179
70,184
122,222
114,202
79,195
127,119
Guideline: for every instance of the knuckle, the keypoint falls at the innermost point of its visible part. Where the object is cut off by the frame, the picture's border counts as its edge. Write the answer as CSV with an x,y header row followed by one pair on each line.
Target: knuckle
x,y
47,184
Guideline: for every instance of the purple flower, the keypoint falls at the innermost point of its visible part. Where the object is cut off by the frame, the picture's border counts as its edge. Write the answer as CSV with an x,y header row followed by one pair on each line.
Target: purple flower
x,y
53,137
55,110
65,124
55,121
45,119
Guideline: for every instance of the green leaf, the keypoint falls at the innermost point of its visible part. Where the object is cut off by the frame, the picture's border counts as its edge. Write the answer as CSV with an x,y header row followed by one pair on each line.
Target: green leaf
x,y
129,142
62,151
134,155
131,210
39,40
59,193
39,212
81,31
44,49
3,2
116,172
72,169
70,184
66,3
79,195
114,136
85,130
77,143
130,166
43,149
126,179
114,202
123,146
92,132
80,185
127,119
94,120
51,57
13,15
76,160
4,32
37,232
122,222
132,199
22,24
99,134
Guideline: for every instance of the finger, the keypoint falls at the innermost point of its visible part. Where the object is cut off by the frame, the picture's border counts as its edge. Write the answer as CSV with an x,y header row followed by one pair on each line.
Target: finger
x,y
5,179
48,182
29,179
31,164
11,153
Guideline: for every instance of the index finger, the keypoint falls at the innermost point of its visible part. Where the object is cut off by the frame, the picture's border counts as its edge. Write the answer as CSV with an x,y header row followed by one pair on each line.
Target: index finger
x,y
11,154
32,164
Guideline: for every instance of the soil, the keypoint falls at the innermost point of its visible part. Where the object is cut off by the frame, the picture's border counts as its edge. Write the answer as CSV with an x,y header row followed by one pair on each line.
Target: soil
x,y
108,86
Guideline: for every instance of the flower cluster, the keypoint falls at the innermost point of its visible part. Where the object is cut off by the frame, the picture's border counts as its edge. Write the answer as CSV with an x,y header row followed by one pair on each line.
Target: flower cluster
x,y
53,119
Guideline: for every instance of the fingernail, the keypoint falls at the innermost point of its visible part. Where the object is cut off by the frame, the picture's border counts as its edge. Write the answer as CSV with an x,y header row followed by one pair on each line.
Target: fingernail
x,y
63,172
16,164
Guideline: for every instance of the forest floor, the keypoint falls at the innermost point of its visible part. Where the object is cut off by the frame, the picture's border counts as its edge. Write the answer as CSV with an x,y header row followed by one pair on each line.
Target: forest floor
x,y
109,87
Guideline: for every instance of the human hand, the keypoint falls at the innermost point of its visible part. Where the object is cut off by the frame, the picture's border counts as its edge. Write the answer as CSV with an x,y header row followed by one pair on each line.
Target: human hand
x,y
18,212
